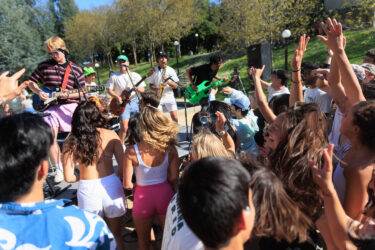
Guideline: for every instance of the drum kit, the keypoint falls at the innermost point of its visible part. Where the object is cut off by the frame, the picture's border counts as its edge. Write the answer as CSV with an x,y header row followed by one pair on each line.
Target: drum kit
x,y
102,102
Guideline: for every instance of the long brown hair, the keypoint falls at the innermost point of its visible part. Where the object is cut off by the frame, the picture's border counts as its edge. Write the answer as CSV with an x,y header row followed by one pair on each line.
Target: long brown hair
x,y
304,128
84,141
277,216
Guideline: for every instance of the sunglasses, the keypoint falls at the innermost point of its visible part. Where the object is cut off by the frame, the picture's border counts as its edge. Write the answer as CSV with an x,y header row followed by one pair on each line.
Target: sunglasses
x,y
55,53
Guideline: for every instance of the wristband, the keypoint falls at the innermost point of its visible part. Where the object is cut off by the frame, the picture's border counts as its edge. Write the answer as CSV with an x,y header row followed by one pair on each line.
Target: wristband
x,y
222,132
296,70
295,82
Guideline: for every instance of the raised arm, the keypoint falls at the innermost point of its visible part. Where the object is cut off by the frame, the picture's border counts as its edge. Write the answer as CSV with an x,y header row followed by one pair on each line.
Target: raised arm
x,y
9,88
260,97
335,42
337,219
296,94
227,139
337,91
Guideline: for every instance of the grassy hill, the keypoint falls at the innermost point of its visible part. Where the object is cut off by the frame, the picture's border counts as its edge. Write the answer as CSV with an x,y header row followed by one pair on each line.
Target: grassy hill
x,y
358,42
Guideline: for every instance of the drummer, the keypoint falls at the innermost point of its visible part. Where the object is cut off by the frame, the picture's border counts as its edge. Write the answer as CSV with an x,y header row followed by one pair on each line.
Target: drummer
x,y
90,75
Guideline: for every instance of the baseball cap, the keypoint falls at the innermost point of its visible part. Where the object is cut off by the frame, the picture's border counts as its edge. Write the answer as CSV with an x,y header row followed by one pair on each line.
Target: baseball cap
x,y
88,71
161,54
122,57
369,67
239,99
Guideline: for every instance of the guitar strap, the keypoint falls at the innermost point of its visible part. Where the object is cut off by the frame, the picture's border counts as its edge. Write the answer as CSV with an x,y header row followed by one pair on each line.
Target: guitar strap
x,y
66,76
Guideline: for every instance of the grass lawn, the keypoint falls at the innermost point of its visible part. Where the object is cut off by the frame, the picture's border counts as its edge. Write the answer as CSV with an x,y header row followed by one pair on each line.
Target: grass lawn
x,y
358,42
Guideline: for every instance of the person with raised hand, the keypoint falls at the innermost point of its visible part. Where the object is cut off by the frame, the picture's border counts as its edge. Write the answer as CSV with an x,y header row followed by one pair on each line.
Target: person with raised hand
x,y
9,88
336,42
296,94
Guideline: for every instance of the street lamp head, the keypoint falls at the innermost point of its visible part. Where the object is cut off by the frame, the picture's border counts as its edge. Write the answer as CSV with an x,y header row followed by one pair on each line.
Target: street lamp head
x,y
286,33
97,65
176,43
196,35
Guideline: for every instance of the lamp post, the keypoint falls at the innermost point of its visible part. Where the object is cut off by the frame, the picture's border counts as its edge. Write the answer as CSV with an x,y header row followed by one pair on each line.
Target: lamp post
x,y
286,34
196,36
176,43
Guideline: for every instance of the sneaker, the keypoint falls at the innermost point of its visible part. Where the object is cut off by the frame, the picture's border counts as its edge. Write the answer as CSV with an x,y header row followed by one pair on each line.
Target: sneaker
x,y
59,176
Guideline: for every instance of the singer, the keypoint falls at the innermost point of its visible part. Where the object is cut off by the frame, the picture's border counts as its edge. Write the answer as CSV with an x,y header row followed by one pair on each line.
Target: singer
x,y
50,74
120,80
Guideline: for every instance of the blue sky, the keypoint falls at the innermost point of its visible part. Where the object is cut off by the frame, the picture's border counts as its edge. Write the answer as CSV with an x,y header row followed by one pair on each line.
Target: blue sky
x,y
89,4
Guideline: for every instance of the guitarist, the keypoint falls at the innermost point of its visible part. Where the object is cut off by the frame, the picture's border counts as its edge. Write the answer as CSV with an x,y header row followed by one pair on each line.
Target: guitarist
x,y
50,73
162,73
205,72
120,81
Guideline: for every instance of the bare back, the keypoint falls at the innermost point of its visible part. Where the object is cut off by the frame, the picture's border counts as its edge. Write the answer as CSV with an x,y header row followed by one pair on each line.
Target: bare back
x,y
110,145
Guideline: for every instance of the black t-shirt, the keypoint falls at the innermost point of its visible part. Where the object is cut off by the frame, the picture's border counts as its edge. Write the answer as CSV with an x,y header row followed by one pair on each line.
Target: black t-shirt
x,y
202,73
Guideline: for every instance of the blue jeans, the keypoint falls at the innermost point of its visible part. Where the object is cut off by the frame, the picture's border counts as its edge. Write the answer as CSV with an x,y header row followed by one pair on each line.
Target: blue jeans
x,y
130,108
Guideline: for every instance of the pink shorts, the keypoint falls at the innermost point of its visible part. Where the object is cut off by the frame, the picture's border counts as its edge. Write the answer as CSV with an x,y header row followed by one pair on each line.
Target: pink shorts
x,y
151,199
61,116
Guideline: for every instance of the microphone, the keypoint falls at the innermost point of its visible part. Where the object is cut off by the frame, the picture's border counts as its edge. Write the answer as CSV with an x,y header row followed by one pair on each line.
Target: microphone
x,y
66,53
124,65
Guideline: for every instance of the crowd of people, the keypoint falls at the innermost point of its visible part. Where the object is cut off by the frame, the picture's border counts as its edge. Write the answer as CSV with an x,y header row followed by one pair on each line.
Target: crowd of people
x,y
291,170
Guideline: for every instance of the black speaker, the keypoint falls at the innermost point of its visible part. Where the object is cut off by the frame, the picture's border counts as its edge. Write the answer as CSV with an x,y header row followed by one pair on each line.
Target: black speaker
x,y
259,55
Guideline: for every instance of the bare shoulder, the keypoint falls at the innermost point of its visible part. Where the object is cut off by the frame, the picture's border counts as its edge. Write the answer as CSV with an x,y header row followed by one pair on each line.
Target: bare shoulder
x,y
358,170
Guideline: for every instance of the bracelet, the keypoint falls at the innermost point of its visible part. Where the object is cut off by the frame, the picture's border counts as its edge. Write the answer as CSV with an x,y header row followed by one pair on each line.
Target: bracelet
x,y
295,82
222,132
296,70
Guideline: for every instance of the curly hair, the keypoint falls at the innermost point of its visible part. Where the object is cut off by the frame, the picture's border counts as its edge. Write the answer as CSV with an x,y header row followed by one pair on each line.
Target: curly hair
x,y
364,118
84,141
157,130
274,207
304,138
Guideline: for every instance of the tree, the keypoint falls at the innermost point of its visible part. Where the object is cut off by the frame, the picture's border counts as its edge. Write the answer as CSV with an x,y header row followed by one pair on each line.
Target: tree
x,y
62,11
248,22
21,42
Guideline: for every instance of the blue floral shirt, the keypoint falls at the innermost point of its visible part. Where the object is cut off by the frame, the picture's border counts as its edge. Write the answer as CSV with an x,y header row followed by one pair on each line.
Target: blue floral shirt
x,y
50,225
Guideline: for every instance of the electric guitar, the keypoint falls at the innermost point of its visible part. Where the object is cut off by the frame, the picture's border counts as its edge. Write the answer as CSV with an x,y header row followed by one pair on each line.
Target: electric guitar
x,y
116,108
40,105
195,96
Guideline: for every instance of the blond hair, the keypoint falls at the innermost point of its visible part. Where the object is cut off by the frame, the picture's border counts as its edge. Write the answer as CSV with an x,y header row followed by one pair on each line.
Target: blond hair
x,y
157,129
53,42
206,144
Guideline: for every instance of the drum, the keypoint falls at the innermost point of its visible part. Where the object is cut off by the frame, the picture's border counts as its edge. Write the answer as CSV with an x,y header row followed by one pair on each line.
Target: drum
x,y
98,102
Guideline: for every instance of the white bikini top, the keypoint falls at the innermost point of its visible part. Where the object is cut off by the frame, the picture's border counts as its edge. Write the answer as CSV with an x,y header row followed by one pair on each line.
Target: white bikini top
x,y
146,175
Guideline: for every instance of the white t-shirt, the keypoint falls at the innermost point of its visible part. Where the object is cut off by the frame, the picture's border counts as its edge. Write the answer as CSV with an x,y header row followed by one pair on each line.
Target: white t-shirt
x,y
319,97
156,79
334,136
272,92
118,82
177,235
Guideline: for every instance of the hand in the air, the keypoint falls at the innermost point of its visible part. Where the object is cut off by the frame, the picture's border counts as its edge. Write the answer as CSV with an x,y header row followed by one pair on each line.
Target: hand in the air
x,y
227,90
9,88
335,38
298,53
220,121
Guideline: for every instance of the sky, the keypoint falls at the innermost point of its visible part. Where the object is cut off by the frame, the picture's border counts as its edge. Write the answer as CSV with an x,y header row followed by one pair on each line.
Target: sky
x,y
89,4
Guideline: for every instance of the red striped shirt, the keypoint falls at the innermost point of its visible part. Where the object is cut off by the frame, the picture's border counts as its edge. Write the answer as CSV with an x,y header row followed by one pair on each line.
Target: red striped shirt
x,y
51,75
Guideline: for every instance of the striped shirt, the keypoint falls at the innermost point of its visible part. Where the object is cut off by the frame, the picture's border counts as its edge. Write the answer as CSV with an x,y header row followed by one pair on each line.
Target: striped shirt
x,y
51,75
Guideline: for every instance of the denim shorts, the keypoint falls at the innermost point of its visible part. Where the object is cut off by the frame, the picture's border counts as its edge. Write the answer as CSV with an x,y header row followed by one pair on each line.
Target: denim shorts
x,y
130,108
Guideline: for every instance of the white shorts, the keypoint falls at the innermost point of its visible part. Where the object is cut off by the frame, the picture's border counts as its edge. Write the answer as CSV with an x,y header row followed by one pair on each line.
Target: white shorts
x,y
170,105
103,196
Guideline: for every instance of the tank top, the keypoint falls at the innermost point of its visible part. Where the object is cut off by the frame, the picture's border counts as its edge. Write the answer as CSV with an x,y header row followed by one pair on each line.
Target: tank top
x,y
146,175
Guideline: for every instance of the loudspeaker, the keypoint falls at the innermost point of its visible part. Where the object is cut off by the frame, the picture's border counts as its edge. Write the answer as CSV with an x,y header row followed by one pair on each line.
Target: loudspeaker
x,y
259,55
